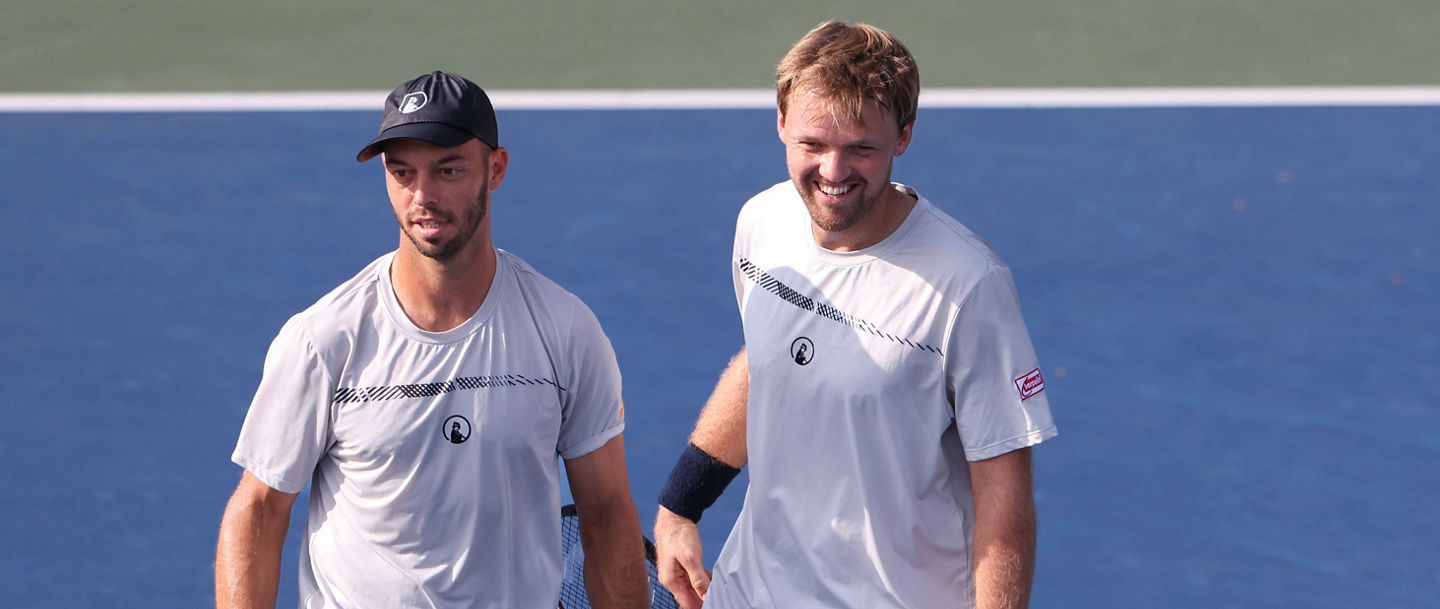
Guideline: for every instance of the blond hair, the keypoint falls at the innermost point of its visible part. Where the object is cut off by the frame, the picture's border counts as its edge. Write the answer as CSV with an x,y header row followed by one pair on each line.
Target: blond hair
x,y
846,64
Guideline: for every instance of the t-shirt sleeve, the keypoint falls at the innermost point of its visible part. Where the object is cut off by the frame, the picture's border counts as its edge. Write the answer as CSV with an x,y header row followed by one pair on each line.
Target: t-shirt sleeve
x,y
287,429
739,250
592,410
994,379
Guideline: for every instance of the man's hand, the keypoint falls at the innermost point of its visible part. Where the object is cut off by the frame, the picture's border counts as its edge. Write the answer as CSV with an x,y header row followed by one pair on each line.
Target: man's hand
x,y
680,559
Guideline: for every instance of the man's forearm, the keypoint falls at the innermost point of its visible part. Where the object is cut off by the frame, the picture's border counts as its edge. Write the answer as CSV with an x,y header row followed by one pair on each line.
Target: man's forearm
x,y
720,430
1004,552
1004,567
247,559
615,574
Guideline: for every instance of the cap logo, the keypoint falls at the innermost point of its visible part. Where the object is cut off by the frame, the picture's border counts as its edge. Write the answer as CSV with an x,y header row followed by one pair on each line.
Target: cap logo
x,y
413,102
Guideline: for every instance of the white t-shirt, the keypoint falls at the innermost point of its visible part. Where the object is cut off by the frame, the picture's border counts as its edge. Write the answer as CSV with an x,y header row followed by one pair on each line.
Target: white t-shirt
x,y
433,455
874,376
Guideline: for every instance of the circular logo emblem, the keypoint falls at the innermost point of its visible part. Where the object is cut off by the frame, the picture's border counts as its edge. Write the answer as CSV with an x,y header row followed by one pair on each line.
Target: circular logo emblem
x,y
413,102
802,351
456,429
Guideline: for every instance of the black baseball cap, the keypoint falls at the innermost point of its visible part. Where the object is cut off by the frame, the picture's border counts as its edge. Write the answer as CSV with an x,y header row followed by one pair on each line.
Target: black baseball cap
x,y
441,108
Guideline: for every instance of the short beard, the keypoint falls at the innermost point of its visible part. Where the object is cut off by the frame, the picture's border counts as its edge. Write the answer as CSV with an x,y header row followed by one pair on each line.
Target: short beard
x,y
469,224
831,219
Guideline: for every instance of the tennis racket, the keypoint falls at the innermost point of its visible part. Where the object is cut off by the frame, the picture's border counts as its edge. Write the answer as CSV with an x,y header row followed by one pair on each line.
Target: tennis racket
x,y
572,588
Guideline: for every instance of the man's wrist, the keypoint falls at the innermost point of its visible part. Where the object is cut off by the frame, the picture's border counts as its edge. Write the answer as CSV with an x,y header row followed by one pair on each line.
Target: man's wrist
x,y
697,480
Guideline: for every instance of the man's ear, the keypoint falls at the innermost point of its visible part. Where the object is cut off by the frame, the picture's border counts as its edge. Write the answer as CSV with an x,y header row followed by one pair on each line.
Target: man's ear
x,y
499,162
904,142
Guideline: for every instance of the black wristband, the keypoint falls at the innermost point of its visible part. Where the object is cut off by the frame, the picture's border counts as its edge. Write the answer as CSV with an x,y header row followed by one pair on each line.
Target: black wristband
x,y
696,482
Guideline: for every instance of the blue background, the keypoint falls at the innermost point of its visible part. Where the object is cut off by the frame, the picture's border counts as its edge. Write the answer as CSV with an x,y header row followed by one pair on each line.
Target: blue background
x,y
1235,309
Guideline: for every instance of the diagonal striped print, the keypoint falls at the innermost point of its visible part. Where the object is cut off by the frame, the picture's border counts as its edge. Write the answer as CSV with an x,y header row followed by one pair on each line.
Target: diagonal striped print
x,y
350,395
826,310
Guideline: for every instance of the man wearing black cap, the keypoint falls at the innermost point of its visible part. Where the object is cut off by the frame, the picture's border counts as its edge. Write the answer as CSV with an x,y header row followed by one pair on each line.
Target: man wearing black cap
x,y
427,399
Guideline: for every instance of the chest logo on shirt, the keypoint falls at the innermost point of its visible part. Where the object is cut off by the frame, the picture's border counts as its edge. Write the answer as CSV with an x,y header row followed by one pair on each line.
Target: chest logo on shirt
x,y
802,351
456,429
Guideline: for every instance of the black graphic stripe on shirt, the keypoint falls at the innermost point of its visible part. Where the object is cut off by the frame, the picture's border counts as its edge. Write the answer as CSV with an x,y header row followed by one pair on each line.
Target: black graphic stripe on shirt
x,y
790,295
345,395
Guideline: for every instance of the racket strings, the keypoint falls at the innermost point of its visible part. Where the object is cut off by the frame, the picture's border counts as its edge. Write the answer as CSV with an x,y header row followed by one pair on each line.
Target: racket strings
x,y
572,587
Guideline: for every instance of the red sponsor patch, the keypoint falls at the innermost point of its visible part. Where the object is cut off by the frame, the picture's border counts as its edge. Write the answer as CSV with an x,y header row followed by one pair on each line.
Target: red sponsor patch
x,y
1029,384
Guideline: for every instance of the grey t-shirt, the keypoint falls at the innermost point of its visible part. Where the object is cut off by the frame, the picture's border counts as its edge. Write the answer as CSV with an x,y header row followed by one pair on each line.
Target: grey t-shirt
x,y
875,375
433,455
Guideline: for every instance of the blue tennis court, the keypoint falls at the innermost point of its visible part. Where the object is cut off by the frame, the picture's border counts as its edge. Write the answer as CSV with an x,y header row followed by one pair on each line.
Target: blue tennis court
x,y
1236,309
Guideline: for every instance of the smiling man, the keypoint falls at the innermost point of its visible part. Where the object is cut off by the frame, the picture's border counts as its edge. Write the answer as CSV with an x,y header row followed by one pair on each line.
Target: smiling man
x,y
887,396
428,400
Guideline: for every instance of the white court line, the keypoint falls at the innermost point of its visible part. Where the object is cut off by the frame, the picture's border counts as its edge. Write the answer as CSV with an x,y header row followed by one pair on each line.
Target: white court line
x,y
731,98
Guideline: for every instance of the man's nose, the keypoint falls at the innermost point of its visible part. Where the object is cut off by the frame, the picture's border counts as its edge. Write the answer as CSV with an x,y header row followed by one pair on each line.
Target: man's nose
x,y
833,166
422,191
